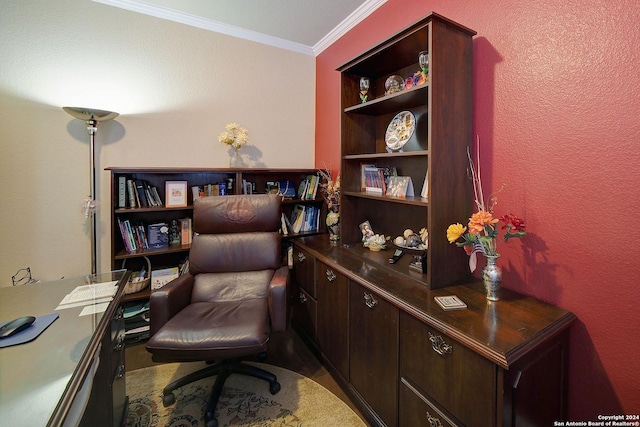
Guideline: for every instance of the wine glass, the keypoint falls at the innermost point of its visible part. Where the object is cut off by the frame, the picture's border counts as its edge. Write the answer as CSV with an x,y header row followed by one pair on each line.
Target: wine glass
x,y
364,88
423,60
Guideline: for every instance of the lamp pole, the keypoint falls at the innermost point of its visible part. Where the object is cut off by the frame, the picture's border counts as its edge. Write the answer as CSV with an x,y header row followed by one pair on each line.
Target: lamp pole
x,y
92,118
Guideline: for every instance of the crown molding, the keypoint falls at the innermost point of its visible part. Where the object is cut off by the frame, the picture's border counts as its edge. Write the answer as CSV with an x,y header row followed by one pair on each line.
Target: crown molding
x,y
351,21
207,24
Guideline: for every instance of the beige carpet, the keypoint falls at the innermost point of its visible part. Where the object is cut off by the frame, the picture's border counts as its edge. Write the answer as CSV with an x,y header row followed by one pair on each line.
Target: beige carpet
x,y
245,401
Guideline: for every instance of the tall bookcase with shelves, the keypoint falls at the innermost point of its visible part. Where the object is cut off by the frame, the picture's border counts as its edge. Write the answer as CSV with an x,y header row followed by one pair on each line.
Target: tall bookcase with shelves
x,y
174,255
436,152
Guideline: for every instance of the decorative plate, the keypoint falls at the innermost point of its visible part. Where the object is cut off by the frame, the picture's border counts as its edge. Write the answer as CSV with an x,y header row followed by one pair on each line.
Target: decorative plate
x,y
400,130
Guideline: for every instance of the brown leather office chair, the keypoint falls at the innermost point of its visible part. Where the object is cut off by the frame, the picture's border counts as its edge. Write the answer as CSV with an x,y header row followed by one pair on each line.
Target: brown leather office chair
x,y
234,295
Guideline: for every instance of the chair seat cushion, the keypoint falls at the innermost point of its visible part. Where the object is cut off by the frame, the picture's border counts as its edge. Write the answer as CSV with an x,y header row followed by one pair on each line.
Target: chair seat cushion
x,y
213,331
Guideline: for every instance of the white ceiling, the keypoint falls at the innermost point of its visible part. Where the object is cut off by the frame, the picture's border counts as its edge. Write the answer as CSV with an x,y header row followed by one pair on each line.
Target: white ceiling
x,y
306,26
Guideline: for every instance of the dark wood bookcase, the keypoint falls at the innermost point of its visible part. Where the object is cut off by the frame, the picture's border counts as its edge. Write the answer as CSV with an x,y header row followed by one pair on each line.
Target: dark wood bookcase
x,y
437,151
175,254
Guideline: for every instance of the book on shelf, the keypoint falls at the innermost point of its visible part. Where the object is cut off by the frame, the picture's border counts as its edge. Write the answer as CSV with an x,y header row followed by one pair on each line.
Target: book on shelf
x,y
133,235
363,179
400,186
284,228
450,302
304,219
297,218
122,192
185,226
162,276
425,186
140,194
158,235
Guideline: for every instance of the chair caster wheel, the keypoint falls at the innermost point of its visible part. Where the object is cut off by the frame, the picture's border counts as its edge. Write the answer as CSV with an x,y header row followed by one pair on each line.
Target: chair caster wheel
x,y
274,387
212,423
168,400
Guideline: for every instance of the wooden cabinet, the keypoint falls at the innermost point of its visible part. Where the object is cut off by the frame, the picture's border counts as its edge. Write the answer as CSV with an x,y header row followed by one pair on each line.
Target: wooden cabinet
x,y
333,320
411,363
436,153
157,177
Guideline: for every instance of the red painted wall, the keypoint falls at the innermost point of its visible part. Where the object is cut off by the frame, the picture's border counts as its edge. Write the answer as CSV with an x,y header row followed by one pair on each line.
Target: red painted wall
x,y
556,108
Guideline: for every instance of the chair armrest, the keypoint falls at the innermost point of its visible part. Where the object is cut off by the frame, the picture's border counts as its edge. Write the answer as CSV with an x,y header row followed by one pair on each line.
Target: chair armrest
x,y
167,301
278,297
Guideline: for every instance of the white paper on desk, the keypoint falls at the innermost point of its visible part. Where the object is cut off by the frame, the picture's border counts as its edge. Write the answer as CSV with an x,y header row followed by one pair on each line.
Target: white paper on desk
x,y
82,303
90,293
93,309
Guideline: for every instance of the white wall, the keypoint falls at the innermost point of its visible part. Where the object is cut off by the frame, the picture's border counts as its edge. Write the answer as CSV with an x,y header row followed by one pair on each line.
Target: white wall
x,y
175,87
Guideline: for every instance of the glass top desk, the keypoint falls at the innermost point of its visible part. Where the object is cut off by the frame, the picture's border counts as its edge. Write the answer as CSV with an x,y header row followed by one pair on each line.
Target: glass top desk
x,y
39,380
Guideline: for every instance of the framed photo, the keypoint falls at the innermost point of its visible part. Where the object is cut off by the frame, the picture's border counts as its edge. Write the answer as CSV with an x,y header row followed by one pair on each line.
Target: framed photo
x,y
175,194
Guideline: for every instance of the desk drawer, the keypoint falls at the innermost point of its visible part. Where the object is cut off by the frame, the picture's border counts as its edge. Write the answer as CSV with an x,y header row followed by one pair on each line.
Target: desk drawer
x,y
304,271
457,379
416,410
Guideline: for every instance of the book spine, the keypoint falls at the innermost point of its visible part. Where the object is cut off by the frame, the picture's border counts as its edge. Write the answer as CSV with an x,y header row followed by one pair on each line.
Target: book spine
x,y
122,192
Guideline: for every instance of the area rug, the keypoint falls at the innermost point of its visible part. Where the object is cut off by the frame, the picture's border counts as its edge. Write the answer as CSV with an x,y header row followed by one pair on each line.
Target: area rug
x,y
245,401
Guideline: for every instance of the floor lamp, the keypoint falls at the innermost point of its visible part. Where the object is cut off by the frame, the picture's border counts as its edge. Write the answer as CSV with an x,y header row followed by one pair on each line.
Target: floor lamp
x,y
93,119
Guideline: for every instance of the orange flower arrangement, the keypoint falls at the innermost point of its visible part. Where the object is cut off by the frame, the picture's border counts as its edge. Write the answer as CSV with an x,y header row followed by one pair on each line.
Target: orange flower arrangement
x,y
482,231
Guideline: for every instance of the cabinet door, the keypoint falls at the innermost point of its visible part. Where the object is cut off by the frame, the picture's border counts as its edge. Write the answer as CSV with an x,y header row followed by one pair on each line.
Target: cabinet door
x,y
304,312
373,338
458,380
333,320
304,270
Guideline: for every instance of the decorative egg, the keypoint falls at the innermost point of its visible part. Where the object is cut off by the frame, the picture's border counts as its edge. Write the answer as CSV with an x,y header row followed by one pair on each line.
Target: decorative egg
x,y
399,241
408,232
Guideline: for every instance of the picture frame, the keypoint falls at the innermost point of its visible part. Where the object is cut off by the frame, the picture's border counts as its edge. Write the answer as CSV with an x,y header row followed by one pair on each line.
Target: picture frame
x,y
175,194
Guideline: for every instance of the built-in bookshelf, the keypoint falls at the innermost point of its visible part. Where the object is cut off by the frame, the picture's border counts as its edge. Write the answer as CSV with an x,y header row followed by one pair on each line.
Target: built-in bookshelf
x,y
436,115
139,208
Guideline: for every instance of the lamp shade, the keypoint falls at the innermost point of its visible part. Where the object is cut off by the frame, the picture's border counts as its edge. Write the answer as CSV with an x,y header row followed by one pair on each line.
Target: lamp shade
x,y
90,114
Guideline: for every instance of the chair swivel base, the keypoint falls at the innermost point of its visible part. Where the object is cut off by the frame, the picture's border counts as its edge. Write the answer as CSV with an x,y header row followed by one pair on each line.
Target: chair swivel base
x,y
222,371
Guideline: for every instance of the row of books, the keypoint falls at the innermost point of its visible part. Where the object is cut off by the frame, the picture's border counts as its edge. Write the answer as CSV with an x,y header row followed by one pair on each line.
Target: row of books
x,y
137,194
207,190
155,236
303,219
308,187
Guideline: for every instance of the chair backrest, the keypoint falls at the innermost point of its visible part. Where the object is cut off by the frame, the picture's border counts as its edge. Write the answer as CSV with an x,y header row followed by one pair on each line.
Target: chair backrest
x,y
236,234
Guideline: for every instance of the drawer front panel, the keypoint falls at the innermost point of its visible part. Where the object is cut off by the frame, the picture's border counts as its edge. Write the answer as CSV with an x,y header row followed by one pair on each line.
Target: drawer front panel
x,y
373,338
417,411
333,317
304,270
454,377
304,312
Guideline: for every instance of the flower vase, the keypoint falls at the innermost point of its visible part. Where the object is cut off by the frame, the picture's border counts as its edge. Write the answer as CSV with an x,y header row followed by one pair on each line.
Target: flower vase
x,y
235,161
492,278
333,225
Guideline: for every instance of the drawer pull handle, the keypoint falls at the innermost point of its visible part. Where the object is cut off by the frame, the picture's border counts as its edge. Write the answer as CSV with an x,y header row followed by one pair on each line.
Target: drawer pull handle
x,y
331,276
438,344
119,343
120,371
369,300
119,313
303,298
301,257
433,421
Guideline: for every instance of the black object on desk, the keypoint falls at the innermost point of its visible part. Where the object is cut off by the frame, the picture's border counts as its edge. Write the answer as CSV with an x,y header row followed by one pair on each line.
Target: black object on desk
x,y
29,332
